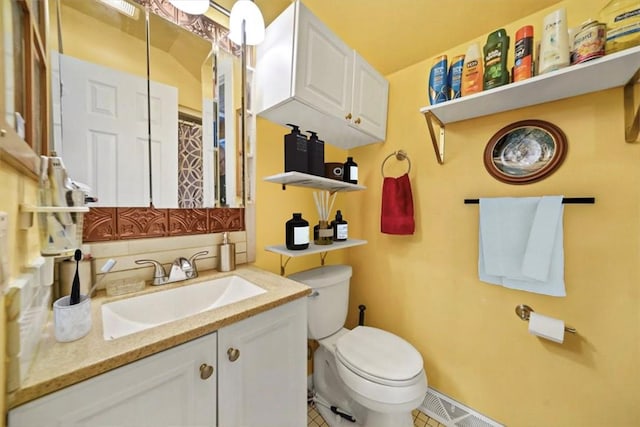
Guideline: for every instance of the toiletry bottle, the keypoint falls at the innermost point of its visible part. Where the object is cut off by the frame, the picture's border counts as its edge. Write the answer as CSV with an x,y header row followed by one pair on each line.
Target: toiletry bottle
x,y
297,233
296,149
495,60
316,154
622,18
340,228
455,76
472,71
554,46
438,87
523,55
350,171
226,254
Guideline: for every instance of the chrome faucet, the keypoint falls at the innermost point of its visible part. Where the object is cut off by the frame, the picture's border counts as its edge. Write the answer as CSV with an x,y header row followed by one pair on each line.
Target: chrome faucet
x,y
181,269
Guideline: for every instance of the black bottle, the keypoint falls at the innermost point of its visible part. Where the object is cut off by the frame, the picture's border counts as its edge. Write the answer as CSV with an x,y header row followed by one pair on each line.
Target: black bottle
x,y
316,154
340,228
296,151
350,171
297,233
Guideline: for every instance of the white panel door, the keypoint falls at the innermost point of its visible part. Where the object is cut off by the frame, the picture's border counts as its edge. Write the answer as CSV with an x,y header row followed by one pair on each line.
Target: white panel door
x,y
266,384
164,145
324,67
105,132
370,99
162,390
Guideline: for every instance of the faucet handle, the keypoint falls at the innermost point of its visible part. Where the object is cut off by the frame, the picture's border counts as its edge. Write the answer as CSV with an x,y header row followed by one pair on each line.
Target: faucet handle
x,y
192,261
159,274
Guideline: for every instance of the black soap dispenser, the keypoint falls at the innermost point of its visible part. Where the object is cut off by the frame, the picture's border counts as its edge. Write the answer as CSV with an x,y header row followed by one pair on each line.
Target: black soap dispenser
x,y
316,154
340,228
296,151
350,171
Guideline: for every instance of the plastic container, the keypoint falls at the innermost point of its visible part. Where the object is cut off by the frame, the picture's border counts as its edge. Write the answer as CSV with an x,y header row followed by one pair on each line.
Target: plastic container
x,y
622,18
589,42
340,228
315,154
472,71
554,46
438,86
523,54
350,171
297,233
495,60
455,77
296,151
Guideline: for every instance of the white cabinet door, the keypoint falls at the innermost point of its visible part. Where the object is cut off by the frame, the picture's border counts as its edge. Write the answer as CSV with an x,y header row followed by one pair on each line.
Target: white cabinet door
x,y
165,389
324,67
370,99
263,369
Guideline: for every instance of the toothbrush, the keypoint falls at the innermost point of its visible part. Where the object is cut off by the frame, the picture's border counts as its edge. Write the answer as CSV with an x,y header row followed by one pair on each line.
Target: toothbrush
x,y
105,269
75,287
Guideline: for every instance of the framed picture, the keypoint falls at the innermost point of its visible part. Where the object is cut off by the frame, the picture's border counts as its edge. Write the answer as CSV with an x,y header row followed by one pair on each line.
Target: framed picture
x,y
525,152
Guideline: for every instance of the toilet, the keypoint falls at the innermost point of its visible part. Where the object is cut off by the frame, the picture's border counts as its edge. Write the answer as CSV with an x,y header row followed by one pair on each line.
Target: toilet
x,y
366,373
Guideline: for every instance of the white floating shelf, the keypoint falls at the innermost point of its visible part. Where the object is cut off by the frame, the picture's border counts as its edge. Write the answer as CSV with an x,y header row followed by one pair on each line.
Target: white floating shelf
x,y
300,179
599,74
53,209
314,249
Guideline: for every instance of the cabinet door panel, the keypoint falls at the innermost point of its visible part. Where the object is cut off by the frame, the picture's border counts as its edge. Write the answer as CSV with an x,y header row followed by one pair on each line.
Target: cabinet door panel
x,y
161,390
324,67
266,385
370,99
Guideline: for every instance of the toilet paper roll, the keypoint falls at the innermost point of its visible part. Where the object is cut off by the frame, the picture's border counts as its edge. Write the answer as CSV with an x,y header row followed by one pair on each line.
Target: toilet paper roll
x,y
546,327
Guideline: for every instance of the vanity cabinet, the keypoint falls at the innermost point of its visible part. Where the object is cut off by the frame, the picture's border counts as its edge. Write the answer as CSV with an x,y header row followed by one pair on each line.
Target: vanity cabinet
x,y
262,369
306,75
176,387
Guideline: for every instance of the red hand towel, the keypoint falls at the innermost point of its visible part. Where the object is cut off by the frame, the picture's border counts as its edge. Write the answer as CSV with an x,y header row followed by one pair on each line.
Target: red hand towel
x,y
397,206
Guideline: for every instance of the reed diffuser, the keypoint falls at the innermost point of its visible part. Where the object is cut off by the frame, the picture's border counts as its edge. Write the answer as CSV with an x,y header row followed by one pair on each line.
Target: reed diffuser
x,y
322,233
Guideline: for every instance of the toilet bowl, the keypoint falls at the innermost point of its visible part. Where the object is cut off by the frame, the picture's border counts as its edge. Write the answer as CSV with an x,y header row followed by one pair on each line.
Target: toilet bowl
x,y
368,373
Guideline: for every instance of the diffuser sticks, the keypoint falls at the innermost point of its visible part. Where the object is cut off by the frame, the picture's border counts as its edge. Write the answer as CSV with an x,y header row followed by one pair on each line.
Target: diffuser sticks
x,y
324,203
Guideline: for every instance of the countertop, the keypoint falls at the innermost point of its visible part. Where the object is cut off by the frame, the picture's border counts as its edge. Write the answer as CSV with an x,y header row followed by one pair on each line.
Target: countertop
x,y
58,365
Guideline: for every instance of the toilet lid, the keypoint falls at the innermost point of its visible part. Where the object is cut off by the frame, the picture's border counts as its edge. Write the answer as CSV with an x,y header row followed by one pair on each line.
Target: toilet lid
x,y
378,354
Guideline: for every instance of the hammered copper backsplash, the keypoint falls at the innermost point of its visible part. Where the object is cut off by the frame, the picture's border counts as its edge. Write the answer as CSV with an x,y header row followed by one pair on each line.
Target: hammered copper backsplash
x,y
107,224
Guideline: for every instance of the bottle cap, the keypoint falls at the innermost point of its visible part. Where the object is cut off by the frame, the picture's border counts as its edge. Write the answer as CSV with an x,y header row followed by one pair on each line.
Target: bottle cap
x,y
225,238
295,128
338,215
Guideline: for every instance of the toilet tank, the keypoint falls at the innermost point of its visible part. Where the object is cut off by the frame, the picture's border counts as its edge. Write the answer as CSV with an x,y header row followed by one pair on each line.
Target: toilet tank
x,y
329,302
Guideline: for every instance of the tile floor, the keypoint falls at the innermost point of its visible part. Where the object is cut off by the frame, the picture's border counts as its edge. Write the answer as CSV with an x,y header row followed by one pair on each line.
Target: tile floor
x,y
419,419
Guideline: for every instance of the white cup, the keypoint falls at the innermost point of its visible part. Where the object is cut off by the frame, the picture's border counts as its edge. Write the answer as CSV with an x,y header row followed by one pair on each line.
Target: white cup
x,y
71,322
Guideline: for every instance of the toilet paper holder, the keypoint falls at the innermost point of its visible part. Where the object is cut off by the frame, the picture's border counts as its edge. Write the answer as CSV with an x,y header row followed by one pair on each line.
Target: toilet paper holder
x,y
523,311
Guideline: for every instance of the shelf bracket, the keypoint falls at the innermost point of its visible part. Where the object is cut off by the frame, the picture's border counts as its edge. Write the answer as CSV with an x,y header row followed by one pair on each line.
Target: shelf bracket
x,y
438,143
323,256
283,266
631,113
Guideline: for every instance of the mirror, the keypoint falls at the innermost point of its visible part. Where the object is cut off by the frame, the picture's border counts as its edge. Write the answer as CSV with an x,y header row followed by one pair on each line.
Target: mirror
x,y
173,146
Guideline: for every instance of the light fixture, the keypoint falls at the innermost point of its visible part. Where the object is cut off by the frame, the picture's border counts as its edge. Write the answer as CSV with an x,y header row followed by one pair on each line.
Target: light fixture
x,y
192,7
247,11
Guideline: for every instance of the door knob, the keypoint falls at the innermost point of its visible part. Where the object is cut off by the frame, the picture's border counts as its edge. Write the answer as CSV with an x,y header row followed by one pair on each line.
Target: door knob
x,y
233,354
358,121
348,116
205,371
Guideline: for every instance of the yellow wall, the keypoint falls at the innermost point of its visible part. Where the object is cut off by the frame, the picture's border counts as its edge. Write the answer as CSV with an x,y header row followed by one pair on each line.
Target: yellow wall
x,y
425,287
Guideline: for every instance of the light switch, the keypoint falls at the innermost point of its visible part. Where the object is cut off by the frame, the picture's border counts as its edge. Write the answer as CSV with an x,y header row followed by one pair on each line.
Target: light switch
x,y
4,250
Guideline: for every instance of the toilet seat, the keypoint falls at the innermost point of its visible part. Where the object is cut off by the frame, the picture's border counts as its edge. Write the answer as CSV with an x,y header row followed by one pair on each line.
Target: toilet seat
x,y
379,356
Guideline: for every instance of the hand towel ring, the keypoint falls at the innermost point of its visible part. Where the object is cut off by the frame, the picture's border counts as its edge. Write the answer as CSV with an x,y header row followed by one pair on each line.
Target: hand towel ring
x,y
400,155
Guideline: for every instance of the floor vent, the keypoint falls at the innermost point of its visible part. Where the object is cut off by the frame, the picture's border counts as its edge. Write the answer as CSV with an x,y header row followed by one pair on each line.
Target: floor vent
x,y
452,413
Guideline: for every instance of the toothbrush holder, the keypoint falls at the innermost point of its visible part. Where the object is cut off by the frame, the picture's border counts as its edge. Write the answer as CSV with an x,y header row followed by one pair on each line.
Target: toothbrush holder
x,y
71,322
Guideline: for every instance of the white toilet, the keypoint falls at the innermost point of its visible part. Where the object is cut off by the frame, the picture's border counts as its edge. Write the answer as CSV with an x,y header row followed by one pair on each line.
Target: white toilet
x,y
370,374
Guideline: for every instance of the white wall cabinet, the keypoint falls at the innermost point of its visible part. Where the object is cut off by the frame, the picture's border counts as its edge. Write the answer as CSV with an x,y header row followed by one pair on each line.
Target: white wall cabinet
x,y
166,389
307,76
262,369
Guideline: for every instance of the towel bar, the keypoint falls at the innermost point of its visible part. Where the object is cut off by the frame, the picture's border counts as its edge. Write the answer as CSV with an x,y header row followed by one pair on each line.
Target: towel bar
x,y
400,155
566,200
523,311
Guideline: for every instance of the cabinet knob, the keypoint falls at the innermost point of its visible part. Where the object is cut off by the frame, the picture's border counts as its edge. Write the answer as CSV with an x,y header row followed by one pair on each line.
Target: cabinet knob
x,y
205,371
233,354
348,116
3,132
358,121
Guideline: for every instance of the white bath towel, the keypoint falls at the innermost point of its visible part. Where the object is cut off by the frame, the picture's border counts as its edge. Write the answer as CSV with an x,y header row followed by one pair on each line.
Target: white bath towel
x,y
521,244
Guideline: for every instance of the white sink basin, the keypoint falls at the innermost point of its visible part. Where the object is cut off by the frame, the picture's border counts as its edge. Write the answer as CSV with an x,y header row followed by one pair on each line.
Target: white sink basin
x,y
124,317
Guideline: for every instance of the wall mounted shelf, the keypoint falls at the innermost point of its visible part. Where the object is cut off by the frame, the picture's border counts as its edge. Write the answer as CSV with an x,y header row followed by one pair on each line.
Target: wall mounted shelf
x,y
313,249
615,70
300,179
27,211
